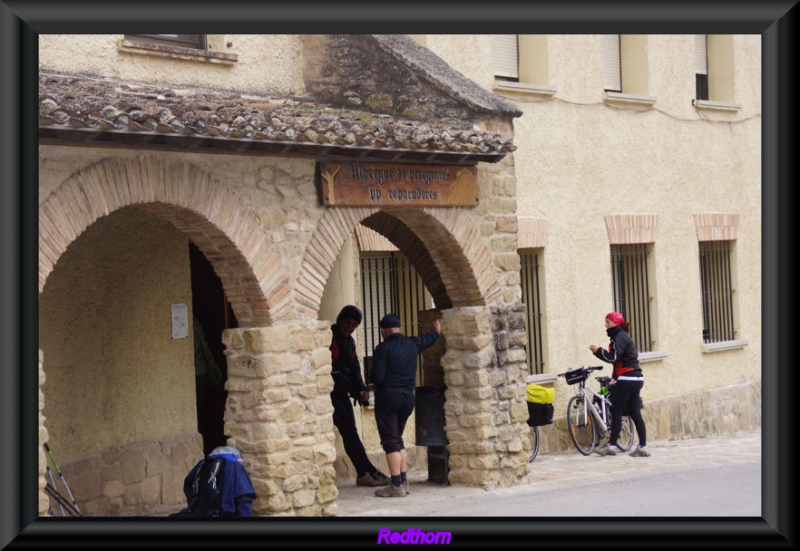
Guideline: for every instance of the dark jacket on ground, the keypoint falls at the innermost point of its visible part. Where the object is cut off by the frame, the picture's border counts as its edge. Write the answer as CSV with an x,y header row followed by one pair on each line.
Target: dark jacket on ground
x,y
345,367
394,362
621,353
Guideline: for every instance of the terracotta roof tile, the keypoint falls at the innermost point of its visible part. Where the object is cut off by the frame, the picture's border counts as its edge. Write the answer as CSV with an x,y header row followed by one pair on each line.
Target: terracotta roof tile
x,y
106,106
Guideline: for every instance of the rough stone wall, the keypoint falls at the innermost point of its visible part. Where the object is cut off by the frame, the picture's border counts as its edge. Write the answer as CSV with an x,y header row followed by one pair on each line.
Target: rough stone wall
x,y
279,415
353,72
133,480
484,371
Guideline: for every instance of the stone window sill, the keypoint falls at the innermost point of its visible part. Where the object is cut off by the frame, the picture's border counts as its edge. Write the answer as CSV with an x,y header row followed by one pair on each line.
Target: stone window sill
x,y
525,88
175,52
620,98
715,105
722,346
651,356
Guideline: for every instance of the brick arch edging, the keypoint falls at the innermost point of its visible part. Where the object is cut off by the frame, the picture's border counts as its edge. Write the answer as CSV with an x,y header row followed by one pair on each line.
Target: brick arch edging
x,y
209,213
433,226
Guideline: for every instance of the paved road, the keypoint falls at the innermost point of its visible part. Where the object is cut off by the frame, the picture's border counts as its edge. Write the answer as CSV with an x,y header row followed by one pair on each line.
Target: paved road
x,y
703,477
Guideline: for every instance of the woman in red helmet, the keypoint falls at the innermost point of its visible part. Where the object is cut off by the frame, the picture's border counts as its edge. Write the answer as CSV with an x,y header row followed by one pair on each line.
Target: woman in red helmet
x,y
627,382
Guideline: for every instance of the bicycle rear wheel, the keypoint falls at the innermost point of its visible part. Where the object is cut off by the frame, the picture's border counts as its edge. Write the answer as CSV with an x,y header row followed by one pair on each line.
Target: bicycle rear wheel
x,y
581,425
535,442
625,440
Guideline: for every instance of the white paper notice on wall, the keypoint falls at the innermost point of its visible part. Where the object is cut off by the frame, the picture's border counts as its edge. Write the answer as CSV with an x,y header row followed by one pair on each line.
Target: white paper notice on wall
x,y
180,321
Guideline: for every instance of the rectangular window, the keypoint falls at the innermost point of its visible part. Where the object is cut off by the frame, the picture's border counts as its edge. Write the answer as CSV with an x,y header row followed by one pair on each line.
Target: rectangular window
x,y
194,41
701,66
612,74
532,298
390,284
717,287
631,281
505,50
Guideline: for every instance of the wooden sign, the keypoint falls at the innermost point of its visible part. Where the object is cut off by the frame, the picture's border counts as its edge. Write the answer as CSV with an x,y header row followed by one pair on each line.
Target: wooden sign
x,y
378,185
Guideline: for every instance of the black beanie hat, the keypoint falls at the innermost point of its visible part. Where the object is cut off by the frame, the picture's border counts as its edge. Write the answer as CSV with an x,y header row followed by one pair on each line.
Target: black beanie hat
x,y
390,320
350,312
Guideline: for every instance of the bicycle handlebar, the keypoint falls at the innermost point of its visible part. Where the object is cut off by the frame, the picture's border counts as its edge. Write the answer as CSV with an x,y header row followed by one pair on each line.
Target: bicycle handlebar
x,y
587,370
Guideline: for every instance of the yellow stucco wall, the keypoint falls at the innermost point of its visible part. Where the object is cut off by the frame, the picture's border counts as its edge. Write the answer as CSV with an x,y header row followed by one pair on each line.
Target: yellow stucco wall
x,y
114,374
579,159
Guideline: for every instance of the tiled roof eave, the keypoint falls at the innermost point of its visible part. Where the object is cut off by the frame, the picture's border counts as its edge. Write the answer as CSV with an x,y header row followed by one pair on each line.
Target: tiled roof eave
x,y
63,135
90,111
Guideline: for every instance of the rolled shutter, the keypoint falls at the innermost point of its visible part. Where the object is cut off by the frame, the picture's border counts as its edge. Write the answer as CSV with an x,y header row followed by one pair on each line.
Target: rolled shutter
x,y
506,56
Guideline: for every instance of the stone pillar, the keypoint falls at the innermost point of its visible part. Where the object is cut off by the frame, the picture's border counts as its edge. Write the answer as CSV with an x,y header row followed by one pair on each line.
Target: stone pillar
x,y
279,414
484,371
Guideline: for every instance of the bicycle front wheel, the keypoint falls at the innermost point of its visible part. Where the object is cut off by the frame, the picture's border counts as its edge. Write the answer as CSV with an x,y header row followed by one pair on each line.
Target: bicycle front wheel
x,y
535,442
581,425
625,440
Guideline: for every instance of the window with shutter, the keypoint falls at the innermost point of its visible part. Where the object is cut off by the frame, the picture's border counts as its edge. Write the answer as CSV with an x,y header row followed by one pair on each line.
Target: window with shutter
x,y
506,56
612,77
701,66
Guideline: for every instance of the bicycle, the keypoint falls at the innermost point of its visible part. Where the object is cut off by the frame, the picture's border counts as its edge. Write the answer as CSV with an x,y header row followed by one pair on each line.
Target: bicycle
x,y
589,413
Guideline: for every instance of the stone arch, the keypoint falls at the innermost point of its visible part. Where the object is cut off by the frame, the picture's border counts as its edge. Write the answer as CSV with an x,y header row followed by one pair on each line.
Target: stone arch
x,y
225,229
431,238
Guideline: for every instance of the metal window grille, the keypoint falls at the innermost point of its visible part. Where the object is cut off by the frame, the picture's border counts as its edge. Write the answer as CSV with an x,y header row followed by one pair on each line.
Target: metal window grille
x,y
532,298
390,283
632,291
717,288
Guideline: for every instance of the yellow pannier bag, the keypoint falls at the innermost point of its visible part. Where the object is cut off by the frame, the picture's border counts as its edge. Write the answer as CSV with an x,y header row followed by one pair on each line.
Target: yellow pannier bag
x,y
538,394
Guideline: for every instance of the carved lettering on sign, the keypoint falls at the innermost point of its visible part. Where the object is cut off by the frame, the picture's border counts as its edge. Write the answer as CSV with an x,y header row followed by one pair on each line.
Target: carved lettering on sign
x,y
374,185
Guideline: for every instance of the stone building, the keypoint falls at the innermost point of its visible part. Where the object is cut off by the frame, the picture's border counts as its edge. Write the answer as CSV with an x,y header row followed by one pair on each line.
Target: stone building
x,y
242,181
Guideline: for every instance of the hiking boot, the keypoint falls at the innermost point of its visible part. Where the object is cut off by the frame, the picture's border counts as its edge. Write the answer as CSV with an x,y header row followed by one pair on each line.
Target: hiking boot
x,y
406,487
608,449
380,477
641,451
369,480
390,490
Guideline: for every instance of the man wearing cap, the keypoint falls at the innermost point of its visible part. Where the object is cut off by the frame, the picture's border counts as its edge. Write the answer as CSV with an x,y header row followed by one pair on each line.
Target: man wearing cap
x,y
394,373
347,384
627,382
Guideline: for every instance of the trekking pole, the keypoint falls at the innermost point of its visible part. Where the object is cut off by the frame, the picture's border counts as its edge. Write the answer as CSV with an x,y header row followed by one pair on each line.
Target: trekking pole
x,y
61,476
61,501
53,483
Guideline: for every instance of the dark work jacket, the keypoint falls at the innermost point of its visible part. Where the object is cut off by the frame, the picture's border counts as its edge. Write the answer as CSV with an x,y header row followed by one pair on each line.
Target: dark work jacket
x,y
394,362
621,353
345,367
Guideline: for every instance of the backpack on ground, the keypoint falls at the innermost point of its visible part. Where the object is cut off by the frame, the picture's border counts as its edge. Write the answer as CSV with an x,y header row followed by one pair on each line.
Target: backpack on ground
x,y
218,487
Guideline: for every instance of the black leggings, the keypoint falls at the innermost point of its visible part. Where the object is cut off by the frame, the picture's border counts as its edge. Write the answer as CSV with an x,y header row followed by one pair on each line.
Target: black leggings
x,y
625,397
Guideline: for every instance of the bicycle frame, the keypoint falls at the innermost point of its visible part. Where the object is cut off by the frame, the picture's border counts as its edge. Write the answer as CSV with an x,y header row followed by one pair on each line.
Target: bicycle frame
x,y
587,423
603,417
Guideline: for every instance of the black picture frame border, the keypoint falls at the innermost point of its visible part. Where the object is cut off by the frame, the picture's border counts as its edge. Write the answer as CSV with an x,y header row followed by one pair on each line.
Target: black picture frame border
x,y
22,21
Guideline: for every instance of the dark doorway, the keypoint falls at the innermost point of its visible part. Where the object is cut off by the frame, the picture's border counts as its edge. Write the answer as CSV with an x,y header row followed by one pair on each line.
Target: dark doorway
x,y
212,309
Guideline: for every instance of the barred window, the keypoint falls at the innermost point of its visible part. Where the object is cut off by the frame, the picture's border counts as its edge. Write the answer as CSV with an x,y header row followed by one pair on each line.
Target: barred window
x,y
532,298
390,283
631,282
717,287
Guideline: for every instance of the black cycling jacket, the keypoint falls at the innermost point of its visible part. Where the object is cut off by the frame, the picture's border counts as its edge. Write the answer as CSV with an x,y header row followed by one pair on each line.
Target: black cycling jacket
x,y
621,353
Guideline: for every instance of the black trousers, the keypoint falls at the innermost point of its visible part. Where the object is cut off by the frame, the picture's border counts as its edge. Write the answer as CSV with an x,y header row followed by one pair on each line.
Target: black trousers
x,y
345,421
625,397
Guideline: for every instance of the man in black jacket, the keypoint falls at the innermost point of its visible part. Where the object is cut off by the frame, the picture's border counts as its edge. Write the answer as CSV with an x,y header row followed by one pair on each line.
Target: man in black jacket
x,y
394,372
347,384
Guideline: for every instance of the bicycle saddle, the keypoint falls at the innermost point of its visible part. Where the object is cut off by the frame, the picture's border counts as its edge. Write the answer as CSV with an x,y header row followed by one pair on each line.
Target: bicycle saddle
x,y
603,380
